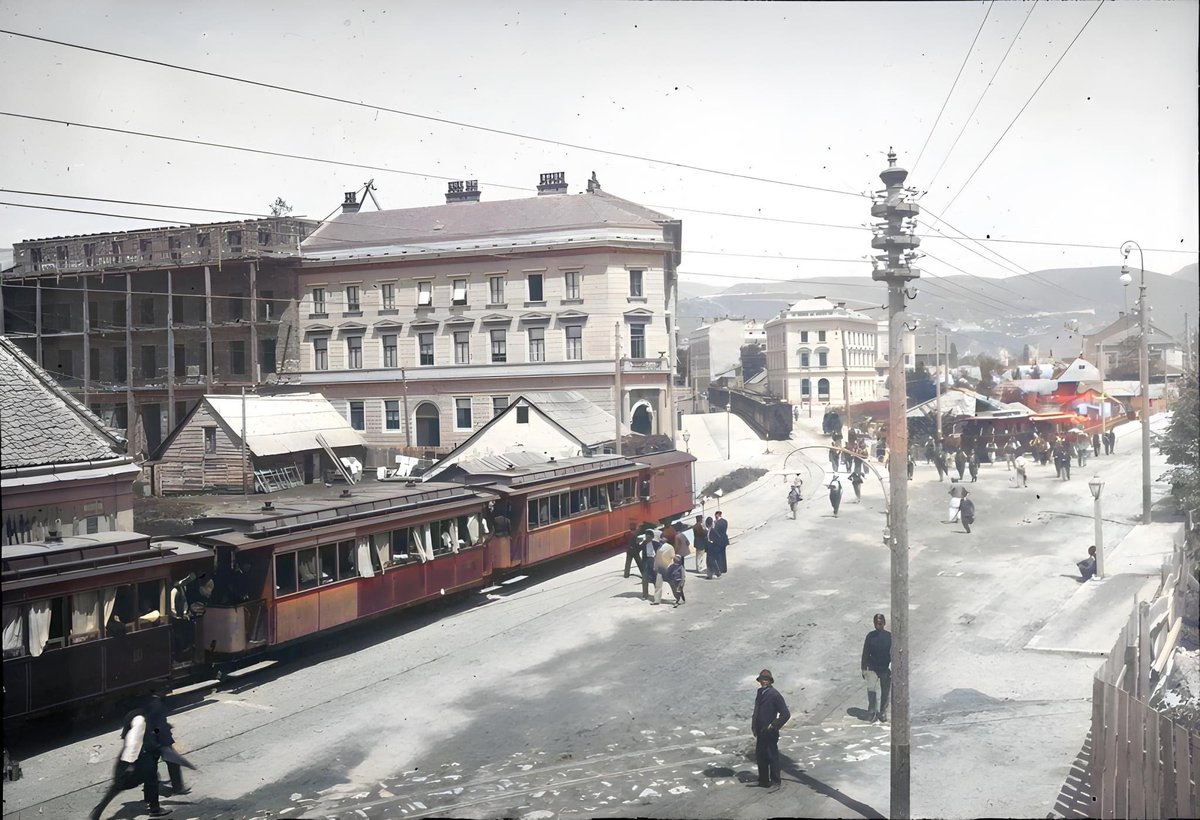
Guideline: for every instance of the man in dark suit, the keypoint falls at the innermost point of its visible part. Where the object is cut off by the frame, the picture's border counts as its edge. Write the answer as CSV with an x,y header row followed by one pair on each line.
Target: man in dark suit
x,y
770,714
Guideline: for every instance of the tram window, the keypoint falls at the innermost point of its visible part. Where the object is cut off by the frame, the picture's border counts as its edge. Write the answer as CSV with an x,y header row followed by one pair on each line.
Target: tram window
x,y
604,505
124,616
58,624
346,568
617,492
574,502
466,537
85,616
149,604
543,511
14,632
594,497
285,573
402,546
306,567
329,563
629,488
532,515
555,515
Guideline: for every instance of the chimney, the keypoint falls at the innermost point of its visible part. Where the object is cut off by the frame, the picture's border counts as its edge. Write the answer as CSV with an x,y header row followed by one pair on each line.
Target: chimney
x,y
460,191
350,204
841,304
552,183
593,184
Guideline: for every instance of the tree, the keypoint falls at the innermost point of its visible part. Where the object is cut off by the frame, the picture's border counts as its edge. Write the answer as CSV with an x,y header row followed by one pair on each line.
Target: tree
x,y
953,355
987,366
280,208
1181,445
1026,355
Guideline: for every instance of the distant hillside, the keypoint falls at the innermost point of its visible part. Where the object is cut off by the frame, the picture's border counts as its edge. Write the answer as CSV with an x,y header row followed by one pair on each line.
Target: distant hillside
x,y
1189,273
982,314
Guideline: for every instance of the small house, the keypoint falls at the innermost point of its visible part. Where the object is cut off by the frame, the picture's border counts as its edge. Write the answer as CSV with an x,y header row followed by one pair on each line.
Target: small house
x,y
289,440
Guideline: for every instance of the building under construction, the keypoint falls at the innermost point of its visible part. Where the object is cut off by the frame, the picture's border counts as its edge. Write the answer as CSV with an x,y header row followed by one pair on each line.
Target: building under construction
x,y
139,325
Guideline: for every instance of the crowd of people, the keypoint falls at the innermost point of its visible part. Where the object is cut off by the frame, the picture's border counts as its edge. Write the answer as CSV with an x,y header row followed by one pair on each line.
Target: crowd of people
x,y
659,554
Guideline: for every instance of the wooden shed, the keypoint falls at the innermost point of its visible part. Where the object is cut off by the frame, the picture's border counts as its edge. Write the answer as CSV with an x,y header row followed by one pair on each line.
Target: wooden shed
x,y
290,440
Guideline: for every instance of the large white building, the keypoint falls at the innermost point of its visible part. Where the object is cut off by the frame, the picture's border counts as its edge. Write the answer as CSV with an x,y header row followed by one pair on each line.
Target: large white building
x,y
421,324
716,348
823,351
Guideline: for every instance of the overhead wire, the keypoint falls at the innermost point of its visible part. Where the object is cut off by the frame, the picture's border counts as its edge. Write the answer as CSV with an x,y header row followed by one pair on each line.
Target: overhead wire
x,y
427,117
954,84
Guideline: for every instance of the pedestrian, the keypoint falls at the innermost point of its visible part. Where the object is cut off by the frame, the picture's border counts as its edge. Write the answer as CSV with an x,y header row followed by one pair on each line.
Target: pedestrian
x,y
960,462
1081,452
957,493
675,578
770,715
930,451
649,548
1087,567
1096,444
848,461
834,459
1022,478
793,498
835,494
1066,464
939,461
718,543
664,557
856,481
877,668
966,513
973,467
633,550
683,546
699,539
1111,437
142,735
1011,451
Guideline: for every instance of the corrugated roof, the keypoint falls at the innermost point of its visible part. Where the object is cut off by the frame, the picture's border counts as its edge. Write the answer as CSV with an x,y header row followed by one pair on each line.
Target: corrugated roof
x,y
41,423
575,414
285,424
502,463
481,220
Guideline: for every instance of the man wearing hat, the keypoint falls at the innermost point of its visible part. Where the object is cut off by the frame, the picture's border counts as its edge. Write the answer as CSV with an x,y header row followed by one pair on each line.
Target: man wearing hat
x,y
770,713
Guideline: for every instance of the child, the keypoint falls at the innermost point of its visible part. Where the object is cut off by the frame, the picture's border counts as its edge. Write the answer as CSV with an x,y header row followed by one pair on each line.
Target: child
x,y
675,577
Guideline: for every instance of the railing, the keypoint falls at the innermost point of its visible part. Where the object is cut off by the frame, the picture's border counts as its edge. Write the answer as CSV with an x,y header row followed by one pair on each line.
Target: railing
x,y
1144,764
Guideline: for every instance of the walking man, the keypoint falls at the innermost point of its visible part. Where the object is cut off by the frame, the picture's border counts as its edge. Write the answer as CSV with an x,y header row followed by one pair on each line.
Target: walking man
x,y
770,714
1096,444
1011,451
700,539
633,550
793,499
835,494
960,462
966,513
1022,478
856,481
143,734
973,467
939,461
877,668
834,459
718,543
1110,442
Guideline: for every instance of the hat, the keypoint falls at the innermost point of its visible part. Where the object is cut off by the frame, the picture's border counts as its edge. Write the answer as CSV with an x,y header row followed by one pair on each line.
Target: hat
x,y
765,675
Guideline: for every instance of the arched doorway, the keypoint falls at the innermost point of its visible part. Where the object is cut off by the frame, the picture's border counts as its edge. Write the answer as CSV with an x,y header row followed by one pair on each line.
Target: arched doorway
x,y
429,425
642,419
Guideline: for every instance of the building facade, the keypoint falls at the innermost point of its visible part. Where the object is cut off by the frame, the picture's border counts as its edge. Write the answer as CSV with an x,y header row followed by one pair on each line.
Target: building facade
x,y
421,324
139,325
716,348
821,350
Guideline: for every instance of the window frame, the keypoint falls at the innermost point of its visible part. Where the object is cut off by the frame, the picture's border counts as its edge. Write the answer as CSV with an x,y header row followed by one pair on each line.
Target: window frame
x,y
573,336
459,409
387,295
498,339
571,289
536,345
425,293
320,353
496,295
637,283
354,352
540,297
354,299
462,346
425,358
319,305
637,340
458,291
357,407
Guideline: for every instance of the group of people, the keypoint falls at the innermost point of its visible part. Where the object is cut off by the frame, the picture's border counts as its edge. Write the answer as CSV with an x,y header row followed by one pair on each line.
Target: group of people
x,y
659,554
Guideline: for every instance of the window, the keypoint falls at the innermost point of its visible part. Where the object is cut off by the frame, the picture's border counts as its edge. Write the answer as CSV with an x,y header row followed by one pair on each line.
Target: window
x,y
805,387
387,293
804,335
571,284
391,357
94,364
462,347
523,414
391,414
822,358
424,294
637,341
358,418
499,345
354,352
537,344
89,252
146,248
804,358
210,441
234,240
119,313
635,283
353,299
118,250
236,311
266,356
120,372
285,573
533,284
823,388
499,405
460,292
264,236
307,569
202,242
318,301
149,361
175,246
462,413
496,290
320,353
820,335
575,342
148,310
425,348
346,568
237,357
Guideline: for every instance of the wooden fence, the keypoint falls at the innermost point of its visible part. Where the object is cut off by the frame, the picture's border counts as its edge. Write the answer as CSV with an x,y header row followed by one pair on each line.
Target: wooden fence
x,y
1144,765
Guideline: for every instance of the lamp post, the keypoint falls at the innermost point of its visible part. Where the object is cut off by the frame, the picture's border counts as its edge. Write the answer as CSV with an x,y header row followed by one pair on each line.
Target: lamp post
x,y
1096,485
687,438
1143,368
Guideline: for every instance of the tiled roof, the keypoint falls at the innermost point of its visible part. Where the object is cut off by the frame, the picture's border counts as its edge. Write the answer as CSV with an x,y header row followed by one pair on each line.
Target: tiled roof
x,y
480,220
42,424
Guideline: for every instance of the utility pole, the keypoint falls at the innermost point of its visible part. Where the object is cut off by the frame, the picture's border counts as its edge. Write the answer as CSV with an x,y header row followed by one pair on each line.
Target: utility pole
x,y
618,399
937,376
895,237
245,492
846,386
1187,348
1143,368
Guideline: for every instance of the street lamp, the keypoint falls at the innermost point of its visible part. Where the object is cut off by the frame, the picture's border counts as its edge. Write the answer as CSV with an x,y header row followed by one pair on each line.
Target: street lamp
x,y
1096,485
1143,368
687,437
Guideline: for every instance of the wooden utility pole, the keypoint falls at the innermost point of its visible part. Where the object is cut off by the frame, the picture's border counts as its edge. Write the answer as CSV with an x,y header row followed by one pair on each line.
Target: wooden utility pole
x,y
618,398
937,377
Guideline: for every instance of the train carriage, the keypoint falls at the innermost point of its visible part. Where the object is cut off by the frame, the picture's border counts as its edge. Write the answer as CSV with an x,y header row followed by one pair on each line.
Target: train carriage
x,y
94,617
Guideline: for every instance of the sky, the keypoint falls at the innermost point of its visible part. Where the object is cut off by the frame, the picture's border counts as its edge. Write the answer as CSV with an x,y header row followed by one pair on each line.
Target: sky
x,y
697,96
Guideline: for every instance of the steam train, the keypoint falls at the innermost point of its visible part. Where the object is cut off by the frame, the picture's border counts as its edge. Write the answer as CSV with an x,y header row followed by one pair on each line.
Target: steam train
x,y
103,616
770,417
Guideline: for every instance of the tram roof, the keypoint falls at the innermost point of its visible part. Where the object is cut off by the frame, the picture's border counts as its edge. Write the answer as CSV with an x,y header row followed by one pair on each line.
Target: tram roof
x,y
100,553
519,472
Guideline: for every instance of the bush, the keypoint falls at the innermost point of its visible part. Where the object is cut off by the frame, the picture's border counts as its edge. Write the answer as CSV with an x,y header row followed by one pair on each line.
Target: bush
x,y
741,477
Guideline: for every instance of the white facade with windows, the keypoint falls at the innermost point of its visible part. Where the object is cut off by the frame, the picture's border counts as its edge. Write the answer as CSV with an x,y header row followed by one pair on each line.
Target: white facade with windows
x,y
457,304
821,351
